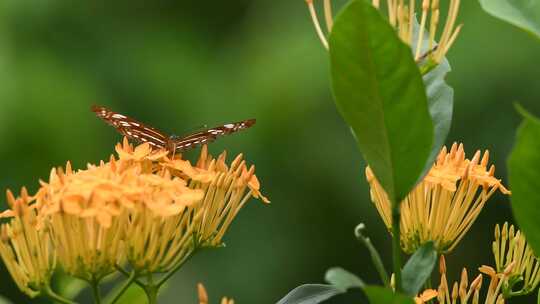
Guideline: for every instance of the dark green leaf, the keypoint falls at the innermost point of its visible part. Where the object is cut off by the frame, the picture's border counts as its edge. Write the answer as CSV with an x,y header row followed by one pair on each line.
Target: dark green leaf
x,y
381,295
418,269
379,92
524,175
524,14
310,294
343,279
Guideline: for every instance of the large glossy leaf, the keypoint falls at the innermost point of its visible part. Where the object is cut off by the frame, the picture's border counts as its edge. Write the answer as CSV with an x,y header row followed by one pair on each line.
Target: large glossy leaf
x,y
343,279
418,268
521,13
379,92
310,294
524,175
381,295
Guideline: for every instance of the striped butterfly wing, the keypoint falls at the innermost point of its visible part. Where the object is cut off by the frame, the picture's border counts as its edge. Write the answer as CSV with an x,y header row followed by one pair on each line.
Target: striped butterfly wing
x,y
132,128
209,135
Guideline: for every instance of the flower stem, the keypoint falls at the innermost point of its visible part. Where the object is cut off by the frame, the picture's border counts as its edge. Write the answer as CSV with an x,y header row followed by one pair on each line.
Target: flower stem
x,y
316,23
128,274
396,244
49,293
95,291
151,294
328,15
375,257
129,281
151,290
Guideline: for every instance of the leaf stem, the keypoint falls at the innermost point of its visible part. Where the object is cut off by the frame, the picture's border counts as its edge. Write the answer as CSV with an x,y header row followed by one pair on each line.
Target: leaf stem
x,y
396,244
375,257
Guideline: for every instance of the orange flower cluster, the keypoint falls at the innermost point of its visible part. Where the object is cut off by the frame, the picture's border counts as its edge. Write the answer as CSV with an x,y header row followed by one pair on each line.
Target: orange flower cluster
x,y
444,205
142,208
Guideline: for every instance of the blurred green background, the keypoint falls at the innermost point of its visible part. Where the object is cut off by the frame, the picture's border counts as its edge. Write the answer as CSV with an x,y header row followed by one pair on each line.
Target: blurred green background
x,y
181,64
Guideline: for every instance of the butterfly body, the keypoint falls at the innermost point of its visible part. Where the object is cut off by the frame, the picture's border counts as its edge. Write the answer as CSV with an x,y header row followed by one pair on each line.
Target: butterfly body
x,y
136,130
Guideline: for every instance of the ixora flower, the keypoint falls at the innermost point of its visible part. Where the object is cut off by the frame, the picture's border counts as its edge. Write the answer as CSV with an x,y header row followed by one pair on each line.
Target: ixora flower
x,y
444,205
426,296
463,293
402,16
25,250
510,246
142,210
203,296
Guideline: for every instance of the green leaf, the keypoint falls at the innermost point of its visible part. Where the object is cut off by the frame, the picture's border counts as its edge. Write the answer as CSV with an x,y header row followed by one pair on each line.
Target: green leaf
x,y
524,176
310,294
524,14
418,268
379,92
343,279
381,295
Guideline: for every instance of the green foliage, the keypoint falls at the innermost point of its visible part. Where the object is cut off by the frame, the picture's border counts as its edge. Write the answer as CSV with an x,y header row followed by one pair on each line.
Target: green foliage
x,y
524,14
524,175
310,294
343,279
380,295
379,91
177,65
418,268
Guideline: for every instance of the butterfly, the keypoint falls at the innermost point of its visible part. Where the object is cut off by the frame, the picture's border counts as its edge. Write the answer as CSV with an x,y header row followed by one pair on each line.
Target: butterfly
x,y
137,131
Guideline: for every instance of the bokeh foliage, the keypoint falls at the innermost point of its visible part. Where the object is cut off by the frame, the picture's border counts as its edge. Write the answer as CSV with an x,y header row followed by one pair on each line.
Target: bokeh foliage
x,y
181,64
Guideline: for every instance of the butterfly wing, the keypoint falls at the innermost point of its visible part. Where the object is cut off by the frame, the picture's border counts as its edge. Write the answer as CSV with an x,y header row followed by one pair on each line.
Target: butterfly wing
x,y
183,144
132,128
209,135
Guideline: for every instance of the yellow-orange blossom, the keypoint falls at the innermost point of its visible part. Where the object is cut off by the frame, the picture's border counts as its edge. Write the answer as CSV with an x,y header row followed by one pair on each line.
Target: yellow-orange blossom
x,y
444,205
142,207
